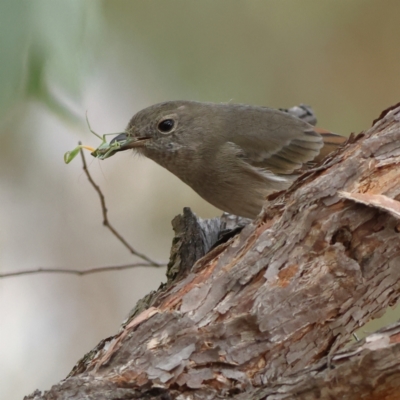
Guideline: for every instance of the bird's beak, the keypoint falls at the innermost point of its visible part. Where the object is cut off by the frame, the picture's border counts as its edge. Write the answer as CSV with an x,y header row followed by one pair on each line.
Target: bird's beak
x,y
120,143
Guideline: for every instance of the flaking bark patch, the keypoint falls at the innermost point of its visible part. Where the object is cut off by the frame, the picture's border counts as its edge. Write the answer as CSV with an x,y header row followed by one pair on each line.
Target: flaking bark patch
x,y
256,316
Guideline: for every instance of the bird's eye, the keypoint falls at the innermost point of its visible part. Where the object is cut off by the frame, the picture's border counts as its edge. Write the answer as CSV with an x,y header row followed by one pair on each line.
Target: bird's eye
x,y
166,125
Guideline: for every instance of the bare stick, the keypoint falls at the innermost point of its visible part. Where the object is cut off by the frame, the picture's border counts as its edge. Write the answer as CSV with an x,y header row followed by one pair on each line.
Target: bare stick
x,y
76,271
149,262
106,222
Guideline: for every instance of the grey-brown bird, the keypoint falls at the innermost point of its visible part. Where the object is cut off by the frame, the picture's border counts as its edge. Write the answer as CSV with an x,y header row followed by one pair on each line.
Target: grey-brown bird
x,y
232,155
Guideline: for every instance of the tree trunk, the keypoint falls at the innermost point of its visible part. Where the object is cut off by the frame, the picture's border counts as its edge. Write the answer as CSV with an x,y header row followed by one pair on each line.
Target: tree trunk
x,y
263,314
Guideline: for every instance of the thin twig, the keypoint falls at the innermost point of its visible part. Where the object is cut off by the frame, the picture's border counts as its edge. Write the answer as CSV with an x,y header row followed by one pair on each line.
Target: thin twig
x,y
105,217
76,271
149,262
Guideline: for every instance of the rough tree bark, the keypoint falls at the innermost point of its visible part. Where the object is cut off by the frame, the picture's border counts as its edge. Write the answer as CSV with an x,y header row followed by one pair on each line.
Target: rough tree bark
x,y
266,313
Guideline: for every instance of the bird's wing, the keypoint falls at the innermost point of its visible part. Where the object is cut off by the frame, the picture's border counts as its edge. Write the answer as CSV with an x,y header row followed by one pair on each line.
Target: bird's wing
x,y
283,143
279,154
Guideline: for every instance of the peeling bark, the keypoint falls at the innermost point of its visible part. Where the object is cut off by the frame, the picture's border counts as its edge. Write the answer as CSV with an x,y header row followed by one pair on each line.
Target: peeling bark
x,y
370,370
262,315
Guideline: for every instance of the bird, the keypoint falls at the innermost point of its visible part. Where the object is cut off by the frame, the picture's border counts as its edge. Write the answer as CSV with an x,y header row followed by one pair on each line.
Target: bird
x,y
232,155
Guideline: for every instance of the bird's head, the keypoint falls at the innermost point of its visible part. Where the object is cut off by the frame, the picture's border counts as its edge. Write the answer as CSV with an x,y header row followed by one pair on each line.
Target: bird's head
x,y
162,129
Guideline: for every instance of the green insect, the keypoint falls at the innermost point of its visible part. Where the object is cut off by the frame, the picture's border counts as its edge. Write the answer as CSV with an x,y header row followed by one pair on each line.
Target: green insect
x,y
103,151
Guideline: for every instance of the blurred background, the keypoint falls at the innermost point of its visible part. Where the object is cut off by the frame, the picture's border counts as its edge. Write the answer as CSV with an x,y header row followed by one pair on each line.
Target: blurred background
x,y
61,58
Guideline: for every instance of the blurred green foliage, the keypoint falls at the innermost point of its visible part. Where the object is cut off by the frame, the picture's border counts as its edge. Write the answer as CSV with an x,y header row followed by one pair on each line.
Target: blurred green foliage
x,y
45,46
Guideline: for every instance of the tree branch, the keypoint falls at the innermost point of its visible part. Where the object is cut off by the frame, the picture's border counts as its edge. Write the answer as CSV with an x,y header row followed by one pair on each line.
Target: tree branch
x,y
88,271
266,311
